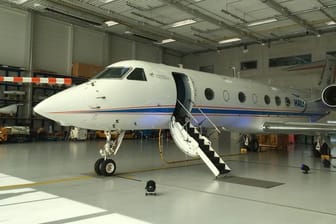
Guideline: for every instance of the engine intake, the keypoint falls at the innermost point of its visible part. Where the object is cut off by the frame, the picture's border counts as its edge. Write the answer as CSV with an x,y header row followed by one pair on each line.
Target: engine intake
x,y
329,96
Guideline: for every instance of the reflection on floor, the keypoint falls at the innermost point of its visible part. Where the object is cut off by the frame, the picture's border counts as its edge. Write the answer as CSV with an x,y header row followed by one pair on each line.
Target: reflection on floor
x,y
53,182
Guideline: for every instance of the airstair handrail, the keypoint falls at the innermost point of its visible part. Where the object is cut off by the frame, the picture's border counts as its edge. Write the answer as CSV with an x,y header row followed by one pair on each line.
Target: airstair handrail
x,y
188,112
213,124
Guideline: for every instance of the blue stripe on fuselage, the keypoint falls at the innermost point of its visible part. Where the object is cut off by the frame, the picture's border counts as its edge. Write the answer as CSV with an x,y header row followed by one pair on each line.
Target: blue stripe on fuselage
x,y
211,111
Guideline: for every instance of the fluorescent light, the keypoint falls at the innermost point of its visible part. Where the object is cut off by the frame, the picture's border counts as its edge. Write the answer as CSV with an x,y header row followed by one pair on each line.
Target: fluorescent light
x,y
107,1
18,1
229,40
262,22
166,41
330,23
110,23
183,23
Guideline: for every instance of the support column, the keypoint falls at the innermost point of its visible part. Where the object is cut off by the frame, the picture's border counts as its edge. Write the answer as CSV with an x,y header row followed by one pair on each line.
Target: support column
x,y
27,111
70,49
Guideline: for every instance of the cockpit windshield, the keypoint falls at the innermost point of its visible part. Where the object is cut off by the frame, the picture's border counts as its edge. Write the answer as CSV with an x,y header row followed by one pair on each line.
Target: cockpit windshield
x,y
112,73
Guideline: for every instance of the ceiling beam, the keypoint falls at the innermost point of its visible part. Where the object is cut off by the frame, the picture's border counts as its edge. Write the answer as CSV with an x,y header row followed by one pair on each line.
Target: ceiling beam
x,y
131,23
290,15
212,20
325,12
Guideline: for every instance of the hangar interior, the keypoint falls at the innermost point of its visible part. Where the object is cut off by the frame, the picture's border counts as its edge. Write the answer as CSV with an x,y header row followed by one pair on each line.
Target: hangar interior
x,y
51,180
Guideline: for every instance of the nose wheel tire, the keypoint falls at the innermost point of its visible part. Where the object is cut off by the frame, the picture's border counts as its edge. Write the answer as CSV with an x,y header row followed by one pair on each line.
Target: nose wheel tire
x,y
105,167
97,166
108,167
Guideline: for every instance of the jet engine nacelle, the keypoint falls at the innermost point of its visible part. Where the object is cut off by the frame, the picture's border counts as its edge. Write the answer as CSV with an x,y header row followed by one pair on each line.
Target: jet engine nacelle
x,y
329,96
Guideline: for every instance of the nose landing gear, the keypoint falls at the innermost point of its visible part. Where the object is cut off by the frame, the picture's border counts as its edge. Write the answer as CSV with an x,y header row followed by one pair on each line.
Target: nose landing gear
x,y
106,166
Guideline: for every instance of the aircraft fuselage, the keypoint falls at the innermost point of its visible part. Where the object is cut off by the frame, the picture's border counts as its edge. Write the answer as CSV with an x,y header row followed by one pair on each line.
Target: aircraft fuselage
x,y
125,104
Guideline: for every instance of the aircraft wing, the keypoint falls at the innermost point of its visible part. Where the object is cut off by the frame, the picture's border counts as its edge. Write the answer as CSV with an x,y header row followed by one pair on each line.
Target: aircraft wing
x,y
298,127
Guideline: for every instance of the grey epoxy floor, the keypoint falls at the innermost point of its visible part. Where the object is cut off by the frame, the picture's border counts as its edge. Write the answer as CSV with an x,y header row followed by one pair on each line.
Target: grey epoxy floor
x,y
53,182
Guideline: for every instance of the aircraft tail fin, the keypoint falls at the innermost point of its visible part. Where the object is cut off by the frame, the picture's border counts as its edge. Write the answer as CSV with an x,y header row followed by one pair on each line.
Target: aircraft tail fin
x,y
328,75
327,66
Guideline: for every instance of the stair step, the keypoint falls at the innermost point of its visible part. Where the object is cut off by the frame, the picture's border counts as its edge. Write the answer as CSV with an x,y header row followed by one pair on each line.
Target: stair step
x,y
221,168
191,130
194,135
214,160
209,153
205,147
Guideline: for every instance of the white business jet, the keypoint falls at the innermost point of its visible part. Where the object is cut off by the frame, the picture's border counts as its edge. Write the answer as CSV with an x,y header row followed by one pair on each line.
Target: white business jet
x,y
138,95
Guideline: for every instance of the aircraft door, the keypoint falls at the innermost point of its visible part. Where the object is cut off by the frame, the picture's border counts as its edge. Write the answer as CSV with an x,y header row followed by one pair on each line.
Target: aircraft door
x,y
185,95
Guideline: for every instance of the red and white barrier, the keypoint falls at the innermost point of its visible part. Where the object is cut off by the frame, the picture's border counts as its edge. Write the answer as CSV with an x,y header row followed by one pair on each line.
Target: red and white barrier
x,y
37,80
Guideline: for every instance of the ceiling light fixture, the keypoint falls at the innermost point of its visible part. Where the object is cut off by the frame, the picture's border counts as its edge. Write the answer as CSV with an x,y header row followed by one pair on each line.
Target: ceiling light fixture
x,y
330,23
106,1
183,23
229,40
261,22
166,41
245,49
18,1
110,23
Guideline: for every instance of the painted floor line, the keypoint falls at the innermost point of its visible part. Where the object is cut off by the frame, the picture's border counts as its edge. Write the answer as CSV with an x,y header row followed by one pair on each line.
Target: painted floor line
x,y
41,183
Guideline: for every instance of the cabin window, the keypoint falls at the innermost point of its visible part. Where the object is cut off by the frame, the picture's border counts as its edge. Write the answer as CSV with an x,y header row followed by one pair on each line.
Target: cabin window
x,y
137,74
287,101
209,94
226,95
112,73
277,101
241,97
267,99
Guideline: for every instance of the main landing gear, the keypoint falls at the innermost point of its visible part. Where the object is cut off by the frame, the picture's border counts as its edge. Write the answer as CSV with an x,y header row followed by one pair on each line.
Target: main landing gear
x,y
106,166
250,142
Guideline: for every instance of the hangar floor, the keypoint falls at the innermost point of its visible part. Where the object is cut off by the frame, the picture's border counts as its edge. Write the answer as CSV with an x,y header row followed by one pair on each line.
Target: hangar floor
x,y
53,182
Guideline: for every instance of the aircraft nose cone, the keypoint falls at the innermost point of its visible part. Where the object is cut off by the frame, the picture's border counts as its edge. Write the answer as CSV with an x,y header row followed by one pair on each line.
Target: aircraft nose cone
x,y
44,108
60,107
41,108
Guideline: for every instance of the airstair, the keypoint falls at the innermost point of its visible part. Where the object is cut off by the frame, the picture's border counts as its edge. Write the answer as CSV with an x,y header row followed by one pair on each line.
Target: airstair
x,y
188,138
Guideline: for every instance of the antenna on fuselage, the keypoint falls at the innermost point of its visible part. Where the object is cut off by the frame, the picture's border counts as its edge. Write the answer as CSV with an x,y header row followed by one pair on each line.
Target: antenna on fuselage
x,y
235,74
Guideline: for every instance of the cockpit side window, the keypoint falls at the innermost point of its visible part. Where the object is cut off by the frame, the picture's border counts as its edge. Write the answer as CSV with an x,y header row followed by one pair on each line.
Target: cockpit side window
x,y
137,74
112,73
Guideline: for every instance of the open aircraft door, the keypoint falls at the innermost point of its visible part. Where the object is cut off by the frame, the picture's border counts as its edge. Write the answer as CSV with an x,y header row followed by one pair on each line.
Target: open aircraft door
x,y
185,95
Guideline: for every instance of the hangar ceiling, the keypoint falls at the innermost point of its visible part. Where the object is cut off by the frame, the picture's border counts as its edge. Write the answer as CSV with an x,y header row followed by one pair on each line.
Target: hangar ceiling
x,y
189,26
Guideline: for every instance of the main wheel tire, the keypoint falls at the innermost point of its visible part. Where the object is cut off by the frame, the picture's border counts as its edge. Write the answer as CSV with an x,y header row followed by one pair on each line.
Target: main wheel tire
x,y
97,166
254,145
108,167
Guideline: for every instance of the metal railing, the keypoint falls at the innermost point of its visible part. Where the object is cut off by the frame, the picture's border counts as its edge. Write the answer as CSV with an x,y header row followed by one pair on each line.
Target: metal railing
x,y
192,117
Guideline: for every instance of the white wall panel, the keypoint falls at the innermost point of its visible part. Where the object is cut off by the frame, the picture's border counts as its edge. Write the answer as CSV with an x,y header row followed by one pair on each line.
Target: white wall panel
x,y
88,46
170,59
146,52
51,45
13,35
120,49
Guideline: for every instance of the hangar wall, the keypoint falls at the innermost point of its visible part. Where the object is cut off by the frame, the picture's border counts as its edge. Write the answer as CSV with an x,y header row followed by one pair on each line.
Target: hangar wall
x,y
224,60
53,45
13,35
